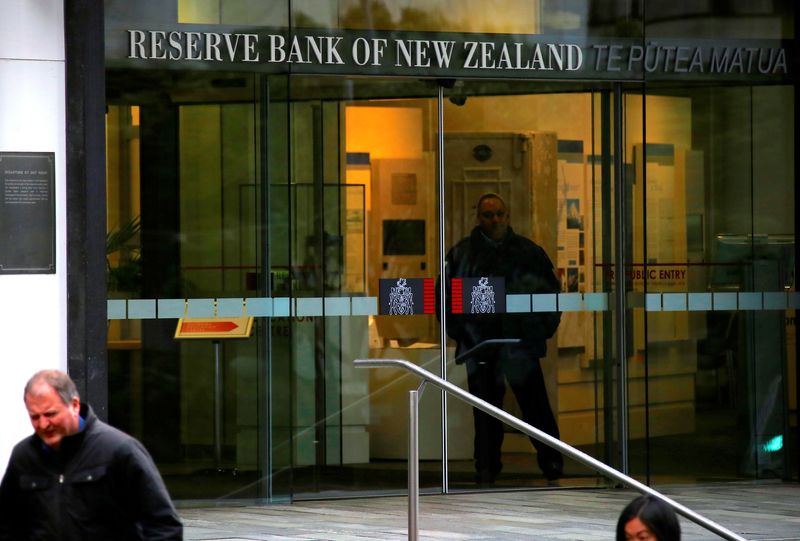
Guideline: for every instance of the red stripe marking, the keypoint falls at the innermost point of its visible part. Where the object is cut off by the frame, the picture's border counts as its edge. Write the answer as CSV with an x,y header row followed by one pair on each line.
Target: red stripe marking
x,y
429,301
457,300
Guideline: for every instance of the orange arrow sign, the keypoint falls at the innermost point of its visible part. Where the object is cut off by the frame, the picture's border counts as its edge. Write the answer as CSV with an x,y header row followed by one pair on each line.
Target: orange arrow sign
x,y
215,328
207,326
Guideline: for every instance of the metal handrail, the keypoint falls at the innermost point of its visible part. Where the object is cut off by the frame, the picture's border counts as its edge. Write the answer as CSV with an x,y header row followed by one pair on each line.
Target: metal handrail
x,y
527,429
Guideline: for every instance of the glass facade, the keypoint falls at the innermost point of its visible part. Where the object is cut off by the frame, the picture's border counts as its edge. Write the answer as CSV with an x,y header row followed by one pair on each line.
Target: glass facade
x,y
732,185
313,206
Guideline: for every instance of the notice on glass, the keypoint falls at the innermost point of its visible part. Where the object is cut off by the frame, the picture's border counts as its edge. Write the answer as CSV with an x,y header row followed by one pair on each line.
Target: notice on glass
x,y
27,213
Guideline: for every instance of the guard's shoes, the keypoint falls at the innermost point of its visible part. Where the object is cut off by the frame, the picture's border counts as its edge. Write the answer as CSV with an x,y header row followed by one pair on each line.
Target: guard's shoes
x,y
553,471
485,477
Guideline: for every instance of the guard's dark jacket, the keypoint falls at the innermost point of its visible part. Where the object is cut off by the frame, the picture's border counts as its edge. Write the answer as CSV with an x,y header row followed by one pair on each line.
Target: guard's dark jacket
x,y
100,485
526,269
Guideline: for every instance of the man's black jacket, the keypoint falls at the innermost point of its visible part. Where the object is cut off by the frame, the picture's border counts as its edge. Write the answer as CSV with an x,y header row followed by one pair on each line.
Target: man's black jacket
x,y
100,485
526,269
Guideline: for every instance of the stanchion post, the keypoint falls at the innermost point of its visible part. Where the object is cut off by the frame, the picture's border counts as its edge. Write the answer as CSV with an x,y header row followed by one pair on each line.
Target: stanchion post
x,y
413,464
217,404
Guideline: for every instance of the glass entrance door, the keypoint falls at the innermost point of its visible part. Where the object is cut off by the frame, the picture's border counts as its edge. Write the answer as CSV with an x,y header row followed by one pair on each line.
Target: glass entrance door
x,y
344,174
714,249
618,364
361,197
361,200
185,196
312,203
529,197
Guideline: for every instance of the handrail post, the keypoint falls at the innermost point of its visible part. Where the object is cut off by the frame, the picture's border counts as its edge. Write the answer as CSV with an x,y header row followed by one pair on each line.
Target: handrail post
x,y
413,464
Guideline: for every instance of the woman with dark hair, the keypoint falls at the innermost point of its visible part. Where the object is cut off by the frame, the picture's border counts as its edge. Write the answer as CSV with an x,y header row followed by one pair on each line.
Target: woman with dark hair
x,y
648,519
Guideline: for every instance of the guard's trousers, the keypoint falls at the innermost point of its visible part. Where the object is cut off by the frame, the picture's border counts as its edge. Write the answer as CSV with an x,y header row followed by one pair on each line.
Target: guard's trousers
x,y
487,381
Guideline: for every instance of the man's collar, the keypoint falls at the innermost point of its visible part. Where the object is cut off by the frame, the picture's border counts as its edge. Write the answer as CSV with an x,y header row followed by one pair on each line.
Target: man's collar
x,y
490,240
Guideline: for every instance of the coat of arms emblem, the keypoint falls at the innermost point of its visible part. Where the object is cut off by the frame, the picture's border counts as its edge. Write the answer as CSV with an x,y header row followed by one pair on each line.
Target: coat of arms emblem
x,y
482,297
401,299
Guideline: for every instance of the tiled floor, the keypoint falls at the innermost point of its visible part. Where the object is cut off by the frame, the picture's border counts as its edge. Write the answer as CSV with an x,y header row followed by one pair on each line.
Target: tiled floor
x,y
768,511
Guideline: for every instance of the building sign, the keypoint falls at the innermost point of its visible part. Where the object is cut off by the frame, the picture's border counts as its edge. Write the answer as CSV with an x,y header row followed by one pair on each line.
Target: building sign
x,y
27,213
446,55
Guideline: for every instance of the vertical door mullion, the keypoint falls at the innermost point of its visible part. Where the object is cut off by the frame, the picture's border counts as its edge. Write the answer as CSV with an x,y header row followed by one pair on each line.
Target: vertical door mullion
x,y
320,361
265,289
620,261
442,285
606,168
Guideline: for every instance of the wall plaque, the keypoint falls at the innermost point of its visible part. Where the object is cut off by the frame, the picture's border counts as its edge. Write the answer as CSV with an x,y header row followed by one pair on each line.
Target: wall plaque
x,y
27,213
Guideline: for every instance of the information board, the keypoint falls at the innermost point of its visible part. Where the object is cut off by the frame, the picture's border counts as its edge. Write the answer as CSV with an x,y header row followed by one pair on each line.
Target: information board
x,y
27,213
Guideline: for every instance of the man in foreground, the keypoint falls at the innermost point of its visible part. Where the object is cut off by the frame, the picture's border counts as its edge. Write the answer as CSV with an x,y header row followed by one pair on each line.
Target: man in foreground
x,y
78,478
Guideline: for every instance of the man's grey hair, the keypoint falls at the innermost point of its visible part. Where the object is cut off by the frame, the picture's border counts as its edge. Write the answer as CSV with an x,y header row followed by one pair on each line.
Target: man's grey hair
x,y
58,380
